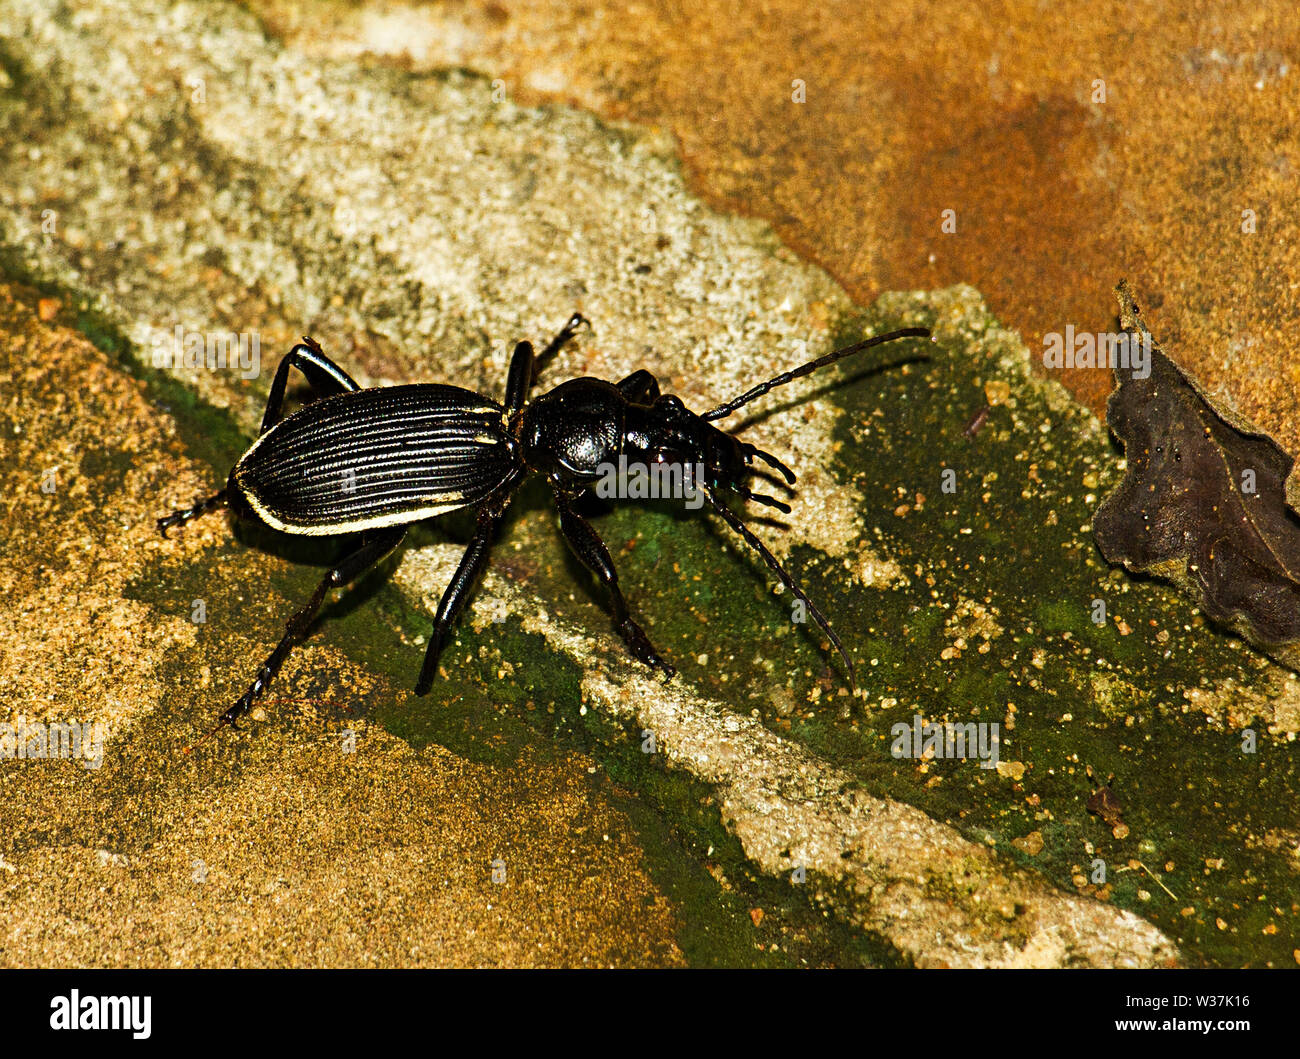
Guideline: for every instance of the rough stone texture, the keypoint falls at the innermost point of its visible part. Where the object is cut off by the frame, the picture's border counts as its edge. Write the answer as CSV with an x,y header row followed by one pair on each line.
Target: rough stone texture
x,y
294,852
987,109
940,899
201,175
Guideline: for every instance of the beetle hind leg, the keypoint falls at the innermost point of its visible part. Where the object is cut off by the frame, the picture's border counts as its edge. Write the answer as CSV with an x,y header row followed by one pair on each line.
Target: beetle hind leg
x,y
326,378
185,514
372,549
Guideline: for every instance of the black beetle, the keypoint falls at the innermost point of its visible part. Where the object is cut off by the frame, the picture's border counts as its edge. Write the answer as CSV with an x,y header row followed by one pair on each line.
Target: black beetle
x,y
374,461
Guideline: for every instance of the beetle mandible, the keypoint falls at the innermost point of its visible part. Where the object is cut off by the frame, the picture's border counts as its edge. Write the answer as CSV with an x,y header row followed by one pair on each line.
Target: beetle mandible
x,y
373,461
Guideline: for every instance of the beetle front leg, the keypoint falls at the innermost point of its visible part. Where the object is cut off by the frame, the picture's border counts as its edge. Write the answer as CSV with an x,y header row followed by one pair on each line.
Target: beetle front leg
x,y
350,567
593,554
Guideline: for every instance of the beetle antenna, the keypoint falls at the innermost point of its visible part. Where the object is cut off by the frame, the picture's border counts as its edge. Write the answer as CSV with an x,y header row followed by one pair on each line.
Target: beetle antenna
x,y
734,521
724,410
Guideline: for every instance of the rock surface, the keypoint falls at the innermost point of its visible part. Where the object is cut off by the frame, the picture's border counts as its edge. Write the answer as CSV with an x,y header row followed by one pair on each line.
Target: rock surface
x,y
202,176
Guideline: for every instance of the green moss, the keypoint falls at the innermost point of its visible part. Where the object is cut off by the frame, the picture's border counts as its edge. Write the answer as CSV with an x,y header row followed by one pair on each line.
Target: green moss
x,y
1083,693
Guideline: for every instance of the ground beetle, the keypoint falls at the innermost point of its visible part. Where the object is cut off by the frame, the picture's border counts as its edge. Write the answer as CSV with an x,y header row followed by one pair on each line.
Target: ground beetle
x,y
371,462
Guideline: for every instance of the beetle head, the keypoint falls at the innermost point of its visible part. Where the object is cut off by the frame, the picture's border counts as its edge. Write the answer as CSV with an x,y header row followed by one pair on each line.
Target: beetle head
x,y
667,432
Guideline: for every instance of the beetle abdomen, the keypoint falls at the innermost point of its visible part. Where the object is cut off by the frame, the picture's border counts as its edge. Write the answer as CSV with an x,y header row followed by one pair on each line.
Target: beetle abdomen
x,y
377,457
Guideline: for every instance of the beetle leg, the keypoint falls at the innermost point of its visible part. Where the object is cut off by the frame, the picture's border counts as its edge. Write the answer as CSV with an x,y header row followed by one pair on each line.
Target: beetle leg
x,y
748,536
525,366
593,554
373,547
520,379
182,516
641,387
457,592
326,378
565,334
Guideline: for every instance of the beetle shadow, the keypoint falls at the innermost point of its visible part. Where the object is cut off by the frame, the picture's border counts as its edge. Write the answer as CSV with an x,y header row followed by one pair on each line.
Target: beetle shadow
x,y
322,553
297,549
826,390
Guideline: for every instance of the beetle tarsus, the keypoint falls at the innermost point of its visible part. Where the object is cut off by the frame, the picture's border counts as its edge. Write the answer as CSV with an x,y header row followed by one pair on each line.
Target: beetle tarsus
x,y
185,514
593,554
565,335
526,365
458,590
372,549
638,643
424,684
